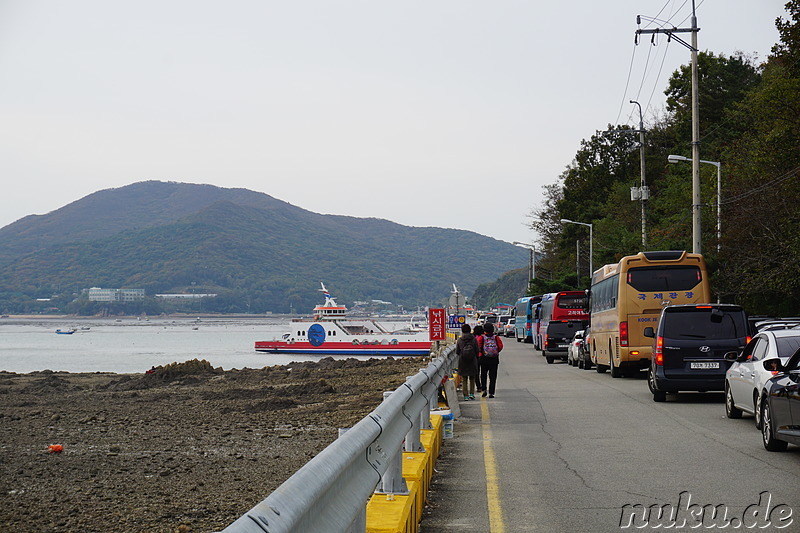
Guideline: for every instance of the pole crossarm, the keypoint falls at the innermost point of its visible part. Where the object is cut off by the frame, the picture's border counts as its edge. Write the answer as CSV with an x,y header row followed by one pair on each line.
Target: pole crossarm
x,y
671,34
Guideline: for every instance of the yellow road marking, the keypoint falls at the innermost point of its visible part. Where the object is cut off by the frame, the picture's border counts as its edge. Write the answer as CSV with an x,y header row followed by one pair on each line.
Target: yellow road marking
x,y
496,524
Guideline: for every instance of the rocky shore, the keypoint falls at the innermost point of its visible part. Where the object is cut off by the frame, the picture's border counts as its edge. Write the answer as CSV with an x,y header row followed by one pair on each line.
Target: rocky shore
x,y
185,448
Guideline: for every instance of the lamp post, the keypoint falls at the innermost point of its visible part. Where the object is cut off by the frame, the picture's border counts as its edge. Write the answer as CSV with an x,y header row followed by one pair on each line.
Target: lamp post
x,y
678,159
532,266
591,268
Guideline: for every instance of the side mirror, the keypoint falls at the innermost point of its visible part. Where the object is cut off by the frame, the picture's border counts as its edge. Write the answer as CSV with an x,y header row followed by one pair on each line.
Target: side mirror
x,y
649,332
773,365
731,356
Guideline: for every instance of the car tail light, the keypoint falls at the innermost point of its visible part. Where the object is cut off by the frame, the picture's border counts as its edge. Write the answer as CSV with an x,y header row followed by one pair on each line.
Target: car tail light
x,y
748,339
659,354
623,333
703,307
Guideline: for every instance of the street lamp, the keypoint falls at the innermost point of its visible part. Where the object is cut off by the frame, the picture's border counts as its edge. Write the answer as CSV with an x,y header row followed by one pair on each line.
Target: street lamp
x,y
532,248
678,159
591,269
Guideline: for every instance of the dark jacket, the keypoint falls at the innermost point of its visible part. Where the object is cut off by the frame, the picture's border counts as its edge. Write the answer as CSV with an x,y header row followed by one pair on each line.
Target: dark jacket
x,y
467,350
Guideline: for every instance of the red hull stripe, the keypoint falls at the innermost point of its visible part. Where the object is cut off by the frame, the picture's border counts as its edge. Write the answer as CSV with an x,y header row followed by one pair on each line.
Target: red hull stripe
x,y
345,348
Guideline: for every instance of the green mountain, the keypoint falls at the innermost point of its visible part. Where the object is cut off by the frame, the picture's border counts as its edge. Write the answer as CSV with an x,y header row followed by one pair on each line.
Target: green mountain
x,y
258,253
506,289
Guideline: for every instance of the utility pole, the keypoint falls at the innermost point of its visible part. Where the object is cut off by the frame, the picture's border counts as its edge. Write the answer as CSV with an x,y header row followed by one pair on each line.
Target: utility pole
x,y
643,193
696,233
696,237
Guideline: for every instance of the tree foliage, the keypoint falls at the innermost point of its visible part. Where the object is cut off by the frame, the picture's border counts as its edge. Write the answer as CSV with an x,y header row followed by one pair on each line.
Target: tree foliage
x,y
750,122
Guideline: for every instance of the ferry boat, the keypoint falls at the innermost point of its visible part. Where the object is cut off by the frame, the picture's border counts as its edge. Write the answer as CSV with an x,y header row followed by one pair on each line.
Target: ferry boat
x,y
331,332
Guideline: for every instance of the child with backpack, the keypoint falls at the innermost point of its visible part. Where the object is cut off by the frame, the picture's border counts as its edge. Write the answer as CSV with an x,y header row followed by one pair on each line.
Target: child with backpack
x,y
490,347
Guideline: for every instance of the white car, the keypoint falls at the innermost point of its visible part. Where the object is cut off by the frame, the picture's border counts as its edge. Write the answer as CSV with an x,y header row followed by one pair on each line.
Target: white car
x,y
508,329
573,350
746,377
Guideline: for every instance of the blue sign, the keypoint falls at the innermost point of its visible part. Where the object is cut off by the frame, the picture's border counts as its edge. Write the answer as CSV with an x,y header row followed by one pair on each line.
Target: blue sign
x,y
316,335
456,321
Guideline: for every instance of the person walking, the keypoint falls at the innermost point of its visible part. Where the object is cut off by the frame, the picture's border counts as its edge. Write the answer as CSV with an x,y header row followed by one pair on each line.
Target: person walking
x,y
479,386
489,346
467,350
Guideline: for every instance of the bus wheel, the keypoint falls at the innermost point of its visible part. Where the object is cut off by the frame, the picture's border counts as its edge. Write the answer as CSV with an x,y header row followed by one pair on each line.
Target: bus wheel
x,y
601,369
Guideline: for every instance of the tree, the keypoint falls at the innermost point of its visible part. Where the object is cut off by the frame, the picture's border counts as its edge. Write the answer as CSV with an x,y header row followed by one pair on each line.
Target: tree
x,y
761,215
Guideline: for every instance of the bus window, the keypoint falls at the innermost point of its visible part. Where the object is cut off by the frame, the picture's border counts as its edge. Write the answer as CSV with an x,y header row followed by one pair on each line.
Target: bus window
x,y
671,278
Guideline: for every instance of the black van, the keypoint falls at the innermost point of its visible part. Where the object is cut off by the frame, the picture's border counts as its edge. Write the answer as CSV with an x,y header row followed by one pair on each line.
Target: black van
x,y
690,345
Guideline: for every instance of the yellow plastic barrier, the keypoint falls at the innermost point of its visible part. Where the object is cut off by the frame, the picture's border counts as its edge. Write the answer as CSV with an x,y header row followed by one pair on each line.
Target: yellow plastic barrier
x,y
403,513
415,469
398,515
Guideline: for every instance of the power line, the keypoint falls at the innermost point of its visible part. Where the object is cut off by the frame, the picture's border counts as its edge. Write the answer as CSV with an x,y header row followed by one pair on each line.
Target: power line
x,y
739,197
627,83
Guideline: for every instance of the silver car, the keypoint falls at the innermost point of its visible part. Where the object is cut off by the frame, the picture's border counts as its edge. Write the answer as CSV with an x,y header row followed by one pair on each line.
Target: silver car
x,y
573,350
746,377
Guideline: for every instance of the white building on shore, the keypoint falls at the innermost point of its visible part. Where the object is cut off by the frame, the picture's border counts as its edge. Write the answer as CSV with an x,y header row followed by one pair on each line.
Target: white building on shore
x,y
96,294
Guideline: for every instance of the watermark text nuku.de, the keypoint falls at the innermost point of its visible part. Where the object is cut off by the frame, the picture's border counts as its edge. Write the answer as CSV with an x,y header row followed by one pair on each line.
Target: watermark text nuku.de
x,y
686,514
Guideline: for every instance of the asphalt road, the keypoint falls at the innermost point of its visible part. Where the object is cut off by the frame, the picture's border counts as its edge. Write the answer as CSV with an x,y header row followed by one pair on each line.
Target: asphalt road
x,y
561,449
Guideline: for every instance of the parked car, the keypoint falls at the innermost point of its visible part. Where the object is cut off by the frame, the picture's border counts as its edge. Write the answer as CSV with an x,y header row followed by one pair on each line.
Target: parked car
x,y
694,346
780,405
574,347
508,329
500,327
489,318
746,377
584,350
780,323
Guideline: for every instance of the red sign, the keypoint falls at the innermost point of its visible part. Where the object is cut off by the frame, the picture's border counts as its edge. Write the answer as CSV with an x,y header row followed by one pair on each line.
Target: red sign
x,y
437,324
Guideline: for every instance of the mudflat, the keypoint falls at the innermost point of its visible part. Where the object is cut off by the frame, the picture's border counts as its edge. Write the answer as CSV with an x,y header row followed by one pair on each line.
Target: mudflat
x,y
185,448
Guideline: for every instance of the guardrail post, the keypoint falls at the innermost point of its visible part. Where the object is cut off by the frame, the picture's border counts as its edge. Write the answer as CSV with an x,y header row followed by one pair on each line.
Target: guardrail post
x,y
412,441
392,481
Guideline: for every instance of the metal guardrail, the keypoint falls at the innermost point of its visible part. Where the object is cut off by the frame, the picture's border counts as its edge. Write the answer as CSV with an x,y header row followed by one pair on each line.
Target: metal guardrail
x,y
330,492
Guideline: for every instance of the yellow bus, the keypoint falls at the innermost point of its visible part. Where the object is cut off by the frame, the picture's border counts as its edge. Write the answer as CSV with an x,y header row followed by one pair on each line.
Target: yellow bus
x,y
628,296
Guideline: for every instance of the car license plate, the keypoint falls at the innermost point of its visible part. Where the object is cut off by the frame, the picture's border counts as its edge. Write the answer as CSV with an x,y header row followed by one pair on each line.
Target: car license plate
x,y
714,364
563,345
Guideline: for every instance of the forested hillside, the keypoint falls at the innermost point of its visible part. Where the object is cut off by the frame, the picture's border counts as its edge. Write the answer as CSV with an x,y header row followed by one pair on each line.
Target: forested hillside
x,y
257,253
750,124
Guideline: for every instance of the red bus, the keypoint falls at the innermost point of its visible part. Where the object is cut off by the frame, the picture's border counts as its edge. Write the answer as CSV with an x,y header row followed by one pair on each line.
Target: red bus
x,y
561,315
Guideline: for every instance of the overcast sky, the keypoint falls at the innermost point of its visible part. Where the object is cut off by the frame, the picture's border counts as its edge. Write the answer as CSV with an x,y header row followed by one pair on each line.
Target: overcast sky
x,y
427,113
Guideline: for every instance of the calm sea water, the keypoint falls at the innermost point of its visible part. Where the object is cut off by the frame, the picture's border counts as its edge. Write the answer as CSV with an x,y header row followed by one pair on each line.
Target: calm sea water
x,y
131,345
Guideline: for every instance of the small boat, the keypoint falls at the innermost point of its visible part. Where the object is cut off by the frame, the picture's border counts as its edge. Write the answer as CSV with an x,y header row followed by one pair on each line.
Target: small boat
x,y
331,332
66,331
